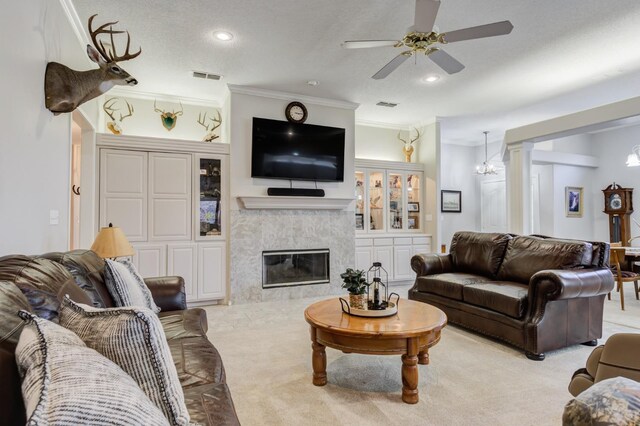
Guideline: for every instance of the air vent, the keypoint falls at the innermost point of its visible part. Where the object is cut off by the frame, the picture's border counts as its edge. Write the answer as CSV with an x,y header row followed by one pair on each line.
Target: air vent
x,y
208,76
387,104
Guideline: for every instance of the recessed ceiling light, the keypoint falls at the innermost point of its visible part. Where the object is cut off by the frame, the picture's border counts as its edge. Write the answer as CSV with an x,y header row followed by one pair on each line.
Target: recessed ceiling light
x,y
223,35
313,82
432,78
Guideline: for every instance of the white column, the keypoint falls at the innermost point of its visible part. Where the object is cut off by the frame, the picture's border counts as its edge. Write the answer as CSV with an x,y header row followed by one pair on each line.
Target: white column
x,y
519,188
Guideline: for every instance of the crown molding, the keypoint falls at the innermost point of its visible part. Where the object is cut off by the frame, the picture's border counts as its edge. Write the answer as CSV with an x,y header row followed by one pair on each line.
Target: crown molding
x,y
74,20
125,92
383,125
286,96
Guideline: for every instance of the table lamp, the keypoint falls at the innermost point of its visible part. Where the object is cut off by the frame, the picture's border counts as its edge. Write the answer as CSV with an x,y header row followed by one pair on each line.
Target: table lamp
x,y
111,243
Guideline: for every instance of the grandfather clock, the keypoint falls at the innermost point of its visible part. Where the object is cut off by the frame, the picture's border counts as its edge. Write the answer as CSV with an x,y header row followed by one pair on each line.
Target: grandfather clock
x,y
618,204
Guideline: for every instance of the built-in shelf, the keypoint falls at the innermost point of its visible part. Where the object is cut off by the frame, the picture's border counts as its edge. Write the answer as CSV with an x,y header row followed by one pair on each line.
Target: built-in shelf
x,y
295,203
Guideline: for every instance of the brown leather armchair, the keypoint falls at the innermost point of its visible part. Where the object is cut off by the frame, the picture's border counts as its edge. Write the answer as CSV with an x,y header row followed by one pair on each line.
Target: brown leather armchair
x,y
617,357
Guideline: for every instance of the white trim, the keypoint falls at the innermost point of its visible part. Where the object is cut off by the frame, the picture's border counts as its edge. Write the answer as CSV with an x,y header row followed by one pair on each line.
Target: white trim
x,y
125,92
74,21
554,157
394,165
295,203
383,125
287,96
106,140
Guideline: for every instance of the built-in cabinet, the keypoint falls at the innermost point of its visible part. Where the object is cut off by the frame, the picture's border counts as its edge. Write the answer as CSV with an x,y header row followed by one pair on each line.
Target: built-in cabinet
x,y
171,201
389,211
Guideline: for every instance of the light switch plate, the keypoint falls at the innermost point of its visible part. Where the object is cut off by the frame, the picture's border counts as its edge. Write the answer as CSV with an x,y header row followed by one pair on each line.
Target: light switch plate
x,y
54,217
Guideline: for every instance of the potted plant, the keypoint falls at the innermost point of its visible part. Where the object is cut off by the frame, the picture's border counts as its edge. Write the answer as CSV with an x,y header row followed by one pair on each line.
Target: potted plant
x,y
355,282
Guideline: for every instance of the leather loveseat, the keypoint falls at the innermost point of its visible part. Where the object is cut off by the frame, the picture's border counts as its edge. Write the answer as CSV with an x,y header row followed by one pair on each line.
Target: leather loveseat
x,y
536,293
39,283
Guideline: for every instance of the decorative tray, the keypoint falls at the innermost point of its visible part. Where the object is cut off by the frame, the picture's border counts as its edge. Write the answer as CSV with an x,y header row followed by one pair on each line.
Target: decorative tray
x,y
390,309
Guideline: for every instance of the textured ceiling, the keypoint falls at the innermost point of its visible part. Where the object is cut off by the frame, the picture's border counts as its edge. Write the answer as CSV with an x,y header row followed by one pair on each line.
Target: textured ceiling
x,y
562,56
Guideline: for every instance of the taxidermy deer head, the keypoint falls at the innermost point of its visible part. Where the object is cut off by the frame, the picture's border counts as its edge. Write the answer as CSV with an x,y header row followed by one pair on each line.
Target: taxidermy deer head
x,y
215,123
407,149
114,125
169,119
66,89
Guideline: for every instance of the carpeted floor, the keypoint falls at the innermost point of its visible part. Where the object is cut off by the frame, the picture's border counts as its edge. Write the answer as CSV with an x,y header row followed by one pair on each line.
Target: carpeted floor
x,y
471,380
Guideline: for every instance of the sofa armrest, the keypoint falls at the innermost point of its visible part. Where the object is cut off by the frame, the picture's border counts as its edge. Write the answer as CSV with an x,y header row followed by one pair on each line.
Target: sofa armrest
x,y
429,264
168,292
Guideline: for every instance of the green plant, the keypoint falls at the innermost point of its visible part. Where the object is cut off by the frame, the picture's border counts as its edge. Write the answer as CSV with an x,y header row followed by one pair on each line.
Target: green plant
x,y
354,281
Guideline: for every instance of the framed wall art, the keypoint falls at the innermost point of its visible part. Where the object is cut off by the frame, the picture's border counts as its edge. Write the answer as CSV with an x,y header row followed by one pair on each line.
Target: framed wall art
x,y
413,207
450,201
573,196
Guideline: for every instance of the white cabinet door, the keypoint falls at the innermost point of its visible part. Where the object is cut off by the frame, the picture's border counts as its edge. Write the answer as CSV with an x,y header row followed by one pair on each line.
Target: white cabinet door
x,y
364,256
212,270
150,259
181,261
169,196
402,262
123,191
384,255
421,249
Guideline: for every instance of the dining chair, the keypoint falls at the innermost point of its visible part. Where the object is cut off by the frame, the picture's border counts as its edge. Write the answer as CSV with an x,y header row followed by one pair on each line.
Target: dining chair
x,y
616,260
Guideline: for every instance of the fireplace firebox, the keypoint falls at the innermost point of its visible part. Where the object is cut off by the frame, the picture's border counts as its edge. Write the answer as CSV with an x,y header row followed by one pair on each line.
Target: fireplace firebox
x,y
286,268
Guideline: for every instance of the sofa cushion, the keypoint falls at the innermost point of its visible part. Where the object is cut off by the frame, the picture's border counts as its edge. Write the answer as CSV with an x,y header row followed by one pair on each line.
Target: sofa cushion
x,y
66,383
448,285
506,297
478,253
187,323
132,338
211,405
527,255
43,282
612,402
126,286
87,268
12,301
197,361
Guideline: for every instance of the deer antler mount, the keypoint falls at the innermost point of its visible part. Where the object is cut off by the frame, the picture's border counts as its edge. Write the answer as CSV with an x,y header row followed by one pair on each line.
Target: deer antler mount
x,y
407,148
66,89
115,124
210,128
169,119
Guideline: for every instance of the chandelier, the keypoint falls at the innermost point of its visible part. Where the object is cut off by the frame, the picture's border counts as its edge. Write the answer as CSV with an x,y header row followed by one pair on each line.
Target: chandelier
x,y
487,168
633,160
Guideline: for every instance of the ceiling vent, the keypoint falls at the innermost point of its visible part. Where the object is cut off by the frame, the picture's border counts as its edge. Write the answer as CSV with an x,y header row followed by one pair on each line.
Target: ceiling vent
x,y
387,104
208,76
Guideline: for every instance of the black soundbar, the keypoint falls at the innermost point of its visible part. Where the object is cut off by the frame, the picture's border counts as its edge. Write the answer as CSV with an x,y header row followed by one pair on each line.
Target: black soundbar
x,y
296,192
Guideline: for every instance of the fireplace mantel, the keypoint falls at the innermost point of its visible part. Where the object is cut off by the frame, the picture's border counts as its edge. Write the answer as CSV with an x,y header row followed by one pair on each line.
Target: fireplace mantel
x,y
294,203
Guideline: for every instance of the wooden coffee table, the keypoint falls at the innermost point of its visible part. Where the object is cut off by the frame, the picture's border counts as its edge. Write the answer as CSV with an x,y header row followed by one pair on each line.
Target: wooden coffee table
x,y
410,333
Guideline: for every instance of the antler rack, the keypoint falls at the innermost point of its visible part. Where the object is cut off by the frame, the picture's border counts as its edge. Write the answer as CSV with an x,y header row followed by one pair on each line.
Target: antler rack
x,y
110,55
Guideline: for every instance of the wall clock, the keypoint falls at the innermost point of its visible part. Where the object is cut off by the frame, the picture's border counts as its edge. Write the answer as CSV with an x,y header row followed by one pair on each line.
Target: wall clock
x,y
296,112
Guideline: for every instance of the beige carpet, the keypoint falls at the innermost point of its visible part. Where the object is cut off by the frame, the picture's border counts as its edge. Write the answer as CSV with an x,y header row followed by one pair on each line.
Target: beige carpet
x,y
471,380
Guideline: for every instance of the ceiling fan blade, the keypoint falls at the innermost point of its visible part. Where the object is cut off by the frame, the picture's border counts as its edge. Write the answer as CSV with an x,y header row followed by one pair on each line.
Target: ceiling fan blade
x,y
481,31
445,61
426,12
391,66
363,44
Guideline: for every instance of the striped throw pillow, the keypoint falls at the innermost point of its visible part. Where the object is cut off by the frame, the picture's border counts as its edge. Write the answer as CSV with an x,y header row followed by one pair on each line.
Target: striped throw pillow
x,y
66,383
126,286
134,339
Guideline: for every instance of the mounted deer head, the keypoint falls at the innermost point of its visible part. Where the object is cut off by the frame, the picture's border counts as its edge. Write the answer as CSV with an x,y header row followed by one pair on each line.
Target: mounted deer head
x,y
215,123
407,149
114,125
66,89
169,119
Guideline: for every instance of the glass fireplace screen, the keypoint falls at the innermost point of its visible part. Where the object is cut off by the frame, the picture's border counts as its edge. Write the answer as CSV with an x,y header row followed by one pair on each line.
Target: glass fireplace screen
x,y
295,267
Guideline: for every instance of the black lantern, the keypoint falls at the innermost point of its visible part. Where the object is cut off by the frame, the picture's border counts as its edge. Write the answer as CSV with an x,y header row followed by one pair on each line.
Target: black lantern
x,y
377,277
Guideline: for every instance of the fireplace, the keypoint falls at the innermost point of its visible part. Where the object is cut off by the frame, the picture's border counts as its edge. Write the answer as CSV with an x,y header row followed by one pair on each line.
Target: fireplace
x,y
285,268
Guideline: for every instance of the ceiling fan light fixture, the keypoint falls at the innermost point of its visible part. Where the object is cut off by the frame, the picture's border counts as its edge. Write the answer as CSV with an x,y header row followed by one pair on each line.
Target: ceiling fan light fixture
x,y
223,35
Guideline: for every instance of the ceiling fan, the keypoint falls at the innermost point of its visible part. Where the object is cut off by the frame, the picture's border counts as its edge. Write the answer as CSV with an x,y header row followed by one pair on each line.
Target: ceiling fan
x,y
421,38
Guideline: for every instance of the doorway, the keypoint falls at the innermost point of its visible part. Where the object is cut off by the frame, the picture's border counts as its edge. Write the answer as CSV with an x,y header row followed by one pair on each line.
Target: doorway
x,y
76,161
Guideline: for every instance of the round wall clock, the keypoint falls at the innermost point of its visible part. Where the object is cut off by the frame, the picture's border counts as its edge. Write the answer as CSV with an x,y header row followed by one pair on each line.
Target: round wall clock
x,y
296,112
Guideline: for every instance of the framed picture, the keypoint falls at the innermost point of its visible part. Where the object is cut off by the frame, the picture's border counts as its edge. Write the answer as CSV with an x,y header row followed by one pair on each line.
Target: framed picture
x,y
393,205
450,201
411,221
573,196
359,221
413,207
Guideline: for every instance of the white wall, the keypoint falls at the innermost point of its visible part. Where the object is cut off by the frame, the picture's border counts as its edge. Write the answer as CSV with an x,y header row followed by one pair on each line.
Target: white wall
x,y
35,145
243,107
429,155
379,143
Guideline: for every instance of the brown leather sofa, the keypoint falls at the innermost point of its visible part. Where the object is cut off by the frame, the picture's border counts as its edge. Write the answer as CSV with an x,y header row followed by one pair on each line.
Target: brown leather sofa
x,y
617,357
39,283
536,293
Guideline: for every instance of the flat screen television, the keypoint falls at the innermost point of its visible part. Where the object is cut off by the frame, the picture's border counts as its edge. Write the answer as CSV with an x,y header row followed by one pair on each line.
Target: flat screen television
x,y
283,150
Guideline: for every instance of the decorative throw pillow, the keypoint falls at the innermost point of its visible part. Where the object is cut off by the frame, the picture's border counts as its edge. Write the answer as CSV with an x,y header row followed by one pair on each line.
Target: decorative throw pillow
x,y
132,338
126,286
612,402
66,383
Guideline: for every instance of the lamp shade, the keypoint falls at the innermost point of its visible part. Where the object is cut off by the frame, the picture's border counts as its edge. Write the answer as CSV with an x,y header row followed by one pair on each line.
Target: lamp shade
x,y
111,242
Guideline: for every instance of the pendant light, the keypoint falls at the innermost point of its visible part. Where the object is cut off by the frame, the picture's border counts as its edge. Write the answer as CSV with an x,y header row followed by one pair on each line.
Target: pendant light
x,y
486,168
633,160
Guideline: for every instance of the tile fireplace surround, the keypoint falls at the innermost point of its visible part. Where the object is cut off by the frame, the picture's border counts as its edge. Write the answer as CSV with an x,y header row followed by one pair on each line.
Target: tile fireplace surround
x,y
255,231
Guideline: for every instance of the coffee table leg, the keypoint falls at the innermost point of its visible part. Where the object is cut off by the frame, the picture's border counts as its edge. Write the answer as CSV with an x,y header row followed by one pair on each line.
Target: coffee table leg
x,y
423,357
410,372
318,360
